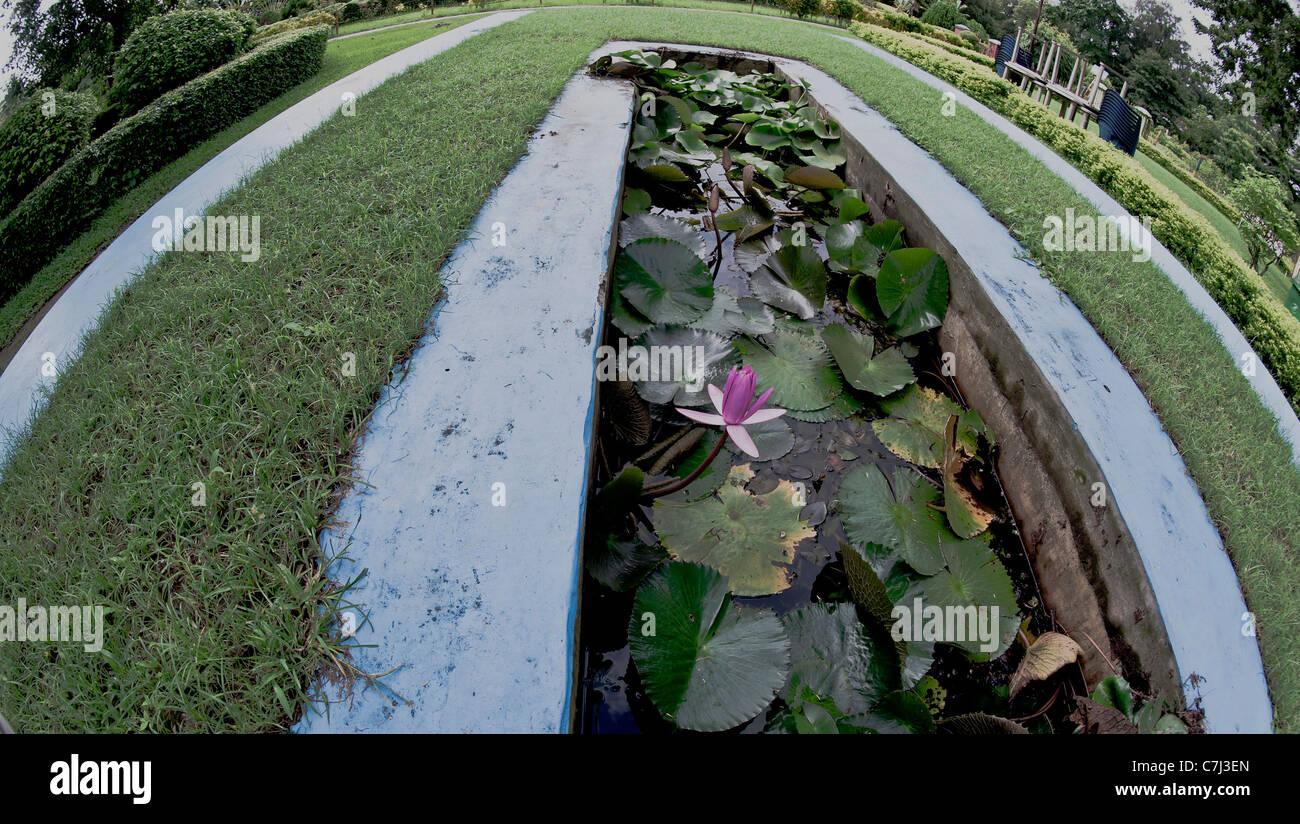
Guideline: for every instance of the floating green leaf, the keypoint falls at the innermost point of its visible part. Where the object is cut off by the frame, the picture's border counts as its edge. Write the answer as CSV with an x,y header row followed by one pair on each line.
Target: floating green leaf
x,y
767,287
622,564
749,538
912,289
895,515
802,269
842,407
636,201
796,366
976,578
882,374
837,656
730,315
664,280
767,136
647,225
628,320
747,222
811,177
705,663
682,362
914,429
773,439
666,172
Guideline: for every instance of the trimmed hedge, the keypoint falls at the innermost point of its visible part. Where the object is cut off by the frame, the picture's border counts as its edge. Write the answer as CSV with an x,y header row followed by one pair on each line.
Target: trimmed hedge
x,y
1166,159
319,19
33,144
1239,290
62,207
886,17
172,49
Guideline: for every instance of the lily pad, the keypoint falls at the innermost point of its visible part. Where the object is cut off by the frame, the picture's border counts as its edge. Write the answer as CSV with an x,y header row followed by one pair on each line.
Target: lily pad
x,y
622,564
795,366
975,578
647,225
691,359
878,579
856,247
898,515
837,656
881,374
663,280
767,136
912,289
706,664
747,222
802,269
812,177
771,290
837,410
749,538
914,429
628,320
826,155
773,439
636,201
730,315
665,172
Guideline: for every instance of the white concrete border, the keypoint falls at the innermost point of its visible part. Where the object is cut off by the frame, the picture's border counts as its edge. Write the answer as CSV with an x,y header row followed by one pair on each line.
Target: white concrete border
x,y
477,602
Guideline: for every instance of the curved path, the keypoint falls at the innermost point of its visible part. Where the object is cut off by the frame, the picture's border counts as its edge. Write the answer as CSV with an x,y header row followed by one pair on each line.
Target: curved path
x,y
57,338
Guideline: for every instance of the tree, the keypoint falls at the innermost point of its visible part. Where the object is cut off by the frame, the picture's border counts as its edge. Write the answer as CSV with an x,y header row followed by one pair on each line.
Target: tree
x,y
1267,223
72,39
1097,27
1258,43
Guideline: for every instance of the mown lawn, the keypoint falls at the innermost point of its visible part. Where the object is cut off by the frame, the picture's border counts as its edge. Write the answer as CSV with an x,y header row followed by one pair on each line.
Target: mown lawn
x,y
227,373
341,59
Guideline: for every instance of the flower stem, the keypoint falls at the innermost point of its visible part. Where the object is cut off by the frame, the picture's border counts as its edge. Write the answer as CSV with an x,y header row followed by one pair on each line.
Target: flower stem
x,y
660,491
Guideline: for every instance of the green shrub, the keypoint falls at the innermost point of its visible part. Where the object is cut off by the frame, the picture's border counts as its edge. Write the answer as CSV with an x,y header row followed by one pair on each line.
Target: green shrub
x,y
171,49
801,8
320,18
296,8
889,19
943,14
842,10
1240,291
41,133
351,11
62,207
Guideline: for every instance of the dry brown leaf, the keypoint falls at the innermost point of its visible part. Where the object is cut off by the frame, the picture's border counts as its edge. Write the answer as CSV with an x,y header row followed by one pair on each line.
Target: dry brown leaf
x,y
1044,657
967,515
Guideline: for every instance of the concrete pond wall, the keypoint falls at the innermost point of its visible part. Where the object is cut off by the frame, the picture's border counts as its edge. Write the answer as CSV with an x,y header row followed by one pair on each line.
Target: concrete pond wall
x,y
1142,581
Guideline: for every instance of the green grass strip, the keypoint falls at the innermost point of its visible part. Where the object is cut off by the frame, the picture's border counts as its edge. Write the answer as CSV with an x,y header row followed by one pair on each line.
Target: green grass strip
x,y
341,59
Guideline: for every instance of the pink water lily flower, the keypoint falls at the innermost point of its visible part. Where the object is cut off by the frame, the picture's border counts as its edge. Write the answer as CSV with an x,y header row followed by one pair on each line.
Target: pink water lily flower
x,y
735,410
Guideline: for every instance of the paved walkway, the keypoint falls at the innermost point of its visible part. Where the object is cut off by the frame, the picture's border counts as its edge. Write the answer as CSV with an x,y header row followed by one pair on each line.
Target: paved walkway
x,y
59,335
474,468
